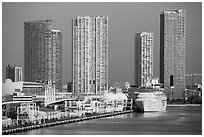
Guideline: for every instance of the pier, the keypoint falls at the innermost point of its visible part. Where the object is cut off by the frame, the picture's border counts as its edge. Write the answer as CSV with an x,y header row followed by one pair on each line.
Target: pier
x,y
65,121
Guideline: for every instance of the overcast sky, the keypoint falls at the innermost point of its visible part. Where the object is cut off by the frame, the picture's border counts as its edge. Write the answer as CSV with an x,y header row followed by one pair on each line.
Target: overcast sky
x,y
125,19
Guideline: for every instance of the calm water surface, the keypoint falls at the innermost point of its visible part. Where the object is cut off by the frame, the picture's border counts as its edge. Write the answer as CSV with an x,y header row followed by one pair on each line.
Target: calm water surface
x,y
173,121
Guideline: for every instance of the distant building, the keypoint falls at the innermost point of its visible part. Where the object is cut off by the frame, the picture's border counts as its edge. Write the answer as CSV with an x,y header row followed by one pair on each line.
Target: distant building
x,y
69,87
143,58
117,85
193,96
155,81
64,88
172,52
90,55
15,73
124,86
43,52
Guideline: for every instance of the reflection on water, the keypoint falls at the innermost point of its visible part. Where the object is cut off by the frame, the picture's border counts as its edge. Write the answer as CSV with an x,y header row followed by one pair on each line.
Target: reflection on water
x,y
119,116
146,114
154,114
173,121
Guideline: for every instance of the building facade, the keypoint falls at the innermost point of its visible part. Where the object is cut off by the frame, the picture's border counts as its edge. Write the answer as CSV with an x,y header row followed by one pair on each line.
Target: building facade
x,y
172,52
143,58
14,73
90,55
43,52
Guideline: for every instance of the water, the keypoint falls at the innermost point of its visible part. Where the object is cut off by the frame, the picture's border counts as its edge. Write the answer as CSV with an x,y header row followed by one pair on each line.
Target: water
x,y
173,121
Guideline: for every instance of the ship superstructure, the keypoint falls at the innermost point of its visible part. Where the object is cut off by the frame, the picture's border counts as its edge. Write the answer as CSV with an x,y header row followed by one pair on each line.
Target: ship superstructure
x,y
147,100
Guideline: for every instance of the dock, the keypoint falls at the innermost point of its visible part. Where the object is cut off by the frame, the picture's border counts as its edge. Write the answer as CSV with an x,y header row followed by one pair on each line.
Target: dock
x,y
32,127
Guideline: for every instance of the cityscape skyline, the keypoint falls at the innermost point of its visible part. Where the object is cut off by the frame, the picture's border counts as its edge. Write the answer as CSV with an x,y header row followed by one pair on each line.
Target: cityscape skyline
x,y
121,58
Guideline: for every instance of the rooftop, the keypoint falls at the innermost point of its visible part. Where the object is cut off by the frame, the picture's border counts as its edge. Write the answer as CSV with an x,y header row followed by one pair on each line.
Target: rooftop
x,y
40,21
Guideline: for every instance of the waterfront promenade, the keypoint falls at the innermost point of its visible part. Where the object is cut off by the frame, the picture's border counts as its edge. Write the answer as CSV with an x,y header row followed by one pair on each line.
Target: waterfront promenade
x,y
62,121
173,121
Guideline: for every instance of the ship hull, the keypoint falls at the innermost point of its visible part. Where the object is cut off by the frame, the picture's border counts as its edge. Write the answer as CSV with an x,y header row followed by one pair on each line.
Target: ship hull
x,y
150,105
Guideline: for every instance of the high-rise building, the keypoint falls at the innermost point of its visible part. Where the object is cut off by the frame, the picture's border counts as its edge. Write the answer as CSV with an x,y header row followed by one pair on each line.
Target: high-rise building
x,y
90,55
143,58
43,53
15,73
172,51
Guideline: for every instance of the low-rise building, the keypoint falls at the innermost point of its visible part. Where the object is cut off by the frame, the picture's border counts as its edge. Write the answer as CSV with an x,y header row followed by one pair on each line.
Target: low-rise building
x,y
28,88
44,92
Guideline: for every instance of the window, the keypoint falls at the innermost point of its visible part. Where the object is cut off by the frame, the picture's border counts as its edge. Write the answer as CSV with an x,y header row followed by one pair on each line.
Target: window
x,y
16,90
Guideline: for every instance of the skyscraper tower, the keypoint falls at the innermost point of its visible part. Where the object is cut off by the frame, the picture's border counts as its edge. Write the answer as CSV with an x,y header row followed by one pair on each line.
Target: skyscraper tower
x,y
143,58
90,55
15,73
43,52
172,51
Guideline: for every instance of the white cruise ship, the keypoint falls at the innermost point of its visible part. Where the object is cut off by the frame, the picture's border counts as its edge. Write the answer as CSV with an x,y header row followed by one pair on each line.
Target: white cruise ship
x,y
148,100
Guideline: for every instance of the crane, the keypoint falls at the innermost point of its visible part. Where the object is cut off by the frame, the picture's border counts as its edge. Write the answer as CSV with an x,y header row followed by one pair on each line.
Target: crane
x,y
193,75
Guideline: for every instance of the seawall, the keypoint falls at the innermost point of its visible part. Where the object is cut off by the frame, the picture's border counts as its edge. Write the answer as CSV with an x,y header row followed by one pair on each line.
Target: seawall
x,y
183,105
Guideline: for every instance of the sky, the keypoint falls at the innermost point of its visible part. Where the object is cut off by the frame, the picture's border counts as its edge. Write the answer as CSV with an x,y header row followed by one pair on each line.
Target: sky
x,y
125,19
